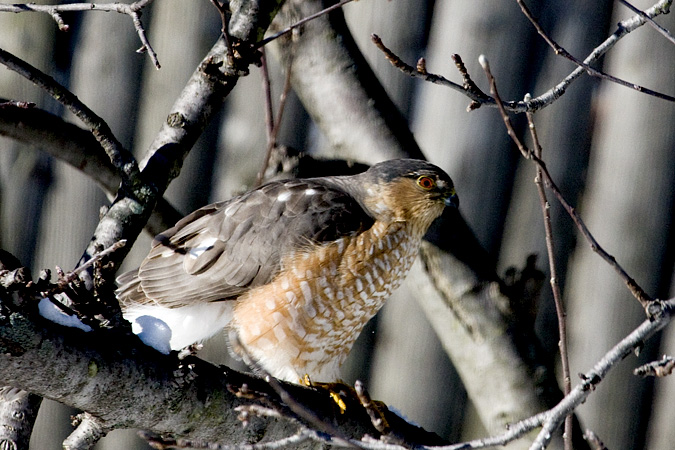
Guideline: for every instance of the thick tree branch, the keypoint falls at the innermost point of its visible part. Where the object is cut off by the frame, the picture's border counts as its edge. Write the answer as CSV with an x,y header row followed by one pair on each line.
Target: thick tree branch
x,y
338,88
124,384
74,146
18,410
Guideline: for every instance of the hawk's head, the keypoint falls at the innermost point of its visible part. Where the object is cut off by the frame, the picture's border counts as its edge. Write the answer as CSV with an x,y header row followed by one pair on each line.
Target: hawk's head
x,y
408,190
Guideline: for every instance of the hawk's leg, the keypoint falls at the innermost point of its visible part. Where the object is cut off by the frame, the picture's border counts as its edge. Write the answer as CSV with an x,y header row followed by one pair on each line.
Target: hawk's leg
x,y
341,393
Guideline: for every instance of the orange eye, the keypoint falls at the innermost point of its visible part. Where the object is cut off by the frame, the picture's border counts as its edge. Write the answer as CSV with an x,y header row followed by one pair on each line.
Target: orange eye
x,y
426,183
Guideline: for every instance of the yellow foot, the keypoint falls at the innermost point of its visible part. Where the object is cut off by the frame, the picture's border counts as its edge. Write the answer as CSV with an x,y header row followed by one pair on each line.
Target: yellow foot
x,y
333,390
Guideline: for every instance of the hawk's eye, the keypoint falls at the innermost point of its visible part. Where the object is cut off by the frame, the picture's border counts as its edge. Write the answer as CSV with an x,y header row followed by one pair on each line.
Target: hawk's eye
x,y
426,183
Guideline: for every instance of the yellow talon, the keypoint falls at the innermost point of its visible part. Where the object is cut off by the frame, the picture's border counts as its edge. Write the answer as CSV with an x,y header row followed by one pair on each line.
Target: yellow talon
x,y
341,404
306,381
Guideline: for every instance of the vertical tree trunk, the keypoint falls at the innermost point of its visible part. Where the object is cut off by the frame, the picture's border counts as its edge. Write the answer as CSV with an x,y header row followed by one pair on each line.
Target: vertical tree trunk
x,y
628,206
473,147
408,368
565,132
72,206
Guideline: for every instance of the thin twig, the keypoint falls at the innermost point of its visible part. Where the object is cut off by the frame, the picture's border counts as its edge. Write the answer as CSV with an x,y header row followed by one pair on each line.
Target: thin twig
x,y
555,287
132,10
559,50
661,368
594,441
376,417
299,23
644,299
550,420
273,133
267,90
223,10
72,276
159,442
146,47
624,27
471,91
651,21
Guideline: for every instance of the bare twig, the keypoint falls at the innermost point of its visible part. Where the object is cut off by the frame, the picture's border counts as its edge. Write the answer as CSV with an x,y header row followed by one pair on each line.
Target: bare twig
x,y
555,287
132,10
160,443
267,89
273,126
651,21
299,23
469,85
644,299
223,10
594,440
550,420
624,27
470,90
660,368
376,417
559,50
72,276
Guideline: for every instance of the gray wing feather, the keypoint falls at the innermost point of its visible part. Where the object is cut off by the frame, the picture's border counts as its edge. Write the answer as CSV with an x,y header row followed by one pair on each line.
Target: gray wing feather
x,y
224,249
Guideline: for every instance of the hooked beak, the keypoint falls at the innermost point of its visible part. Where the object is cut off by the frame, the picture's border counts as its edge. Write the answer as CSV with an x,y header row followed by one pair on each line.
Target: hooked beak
x,y
452,199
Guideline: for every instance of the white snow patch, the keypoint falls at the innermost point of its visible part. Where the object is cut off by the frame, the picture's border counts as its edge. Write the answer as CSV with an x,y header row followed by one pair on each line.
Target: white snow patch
x,y
51,312
153,332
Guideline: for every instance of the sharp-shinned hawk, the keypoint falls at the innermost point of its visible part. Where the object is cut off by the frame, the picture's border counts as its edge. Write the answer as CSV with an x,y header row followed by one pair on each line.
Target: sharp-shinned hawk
x,y
293,269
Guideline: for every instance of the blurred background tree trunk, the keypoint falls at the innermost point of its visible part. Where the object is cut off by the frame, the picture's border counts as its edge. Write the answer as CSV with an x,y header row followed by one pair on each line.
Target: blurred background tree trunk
x,y
628,205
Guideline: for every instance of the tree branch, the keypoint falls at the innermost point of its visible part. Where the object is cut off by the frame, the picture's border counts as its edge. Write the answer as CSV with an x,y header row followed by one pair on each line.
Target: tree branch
x,y
635,289
479,98
76,147
651,21
550,420
120,158
121,383
559,50
133,10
